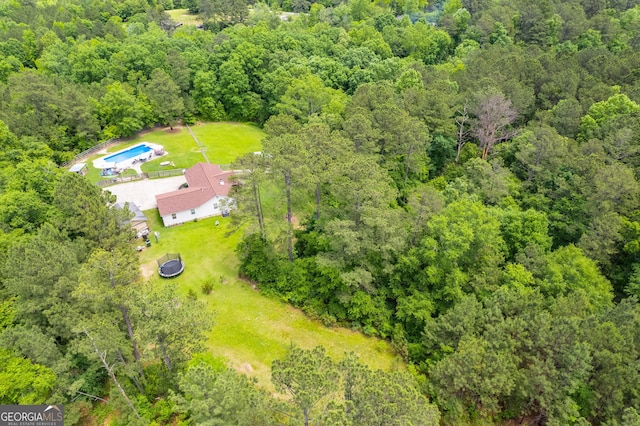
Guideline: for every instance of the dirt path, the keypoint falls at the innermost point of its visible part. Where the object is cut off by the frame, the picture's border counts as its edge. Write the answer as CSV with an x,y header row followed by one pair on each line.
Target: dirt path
x,y
202,147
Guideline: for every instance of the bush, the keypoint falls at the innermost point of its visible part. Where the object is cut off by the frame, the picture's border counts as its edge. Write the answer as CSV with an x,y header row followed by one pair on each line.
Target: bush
x,y
191,294
207,286
258,262
328,320
369,330
158,380
163,410
189,120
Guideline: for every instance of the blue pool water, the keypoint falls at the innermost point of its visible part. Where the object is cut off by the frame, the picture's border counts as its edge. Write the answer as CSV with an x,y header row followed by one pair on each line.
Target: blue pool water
x,y
129,153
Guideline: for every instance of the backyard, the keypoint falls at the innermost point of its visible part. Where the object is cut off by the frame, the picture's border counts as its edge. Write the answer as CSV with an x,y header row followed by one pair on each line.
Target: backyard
x,y
222,143
251,329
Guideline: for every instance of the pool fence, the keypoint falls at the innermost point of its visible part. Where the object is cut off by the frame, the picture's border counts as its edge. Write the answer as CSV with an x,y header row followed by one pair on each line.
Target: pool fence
x,y
89,152
139,176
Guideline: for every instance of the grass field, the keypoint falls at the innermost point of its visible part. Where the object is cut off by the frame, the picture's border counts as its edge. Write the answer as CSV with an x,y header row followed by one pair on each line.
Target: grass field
x,y
183,15
225,142
251,329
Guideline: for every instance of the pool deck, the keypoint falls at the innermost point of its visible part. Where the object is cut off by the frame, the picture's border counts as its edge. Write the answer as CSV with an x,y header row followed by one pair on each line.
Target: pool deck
x,y
120,166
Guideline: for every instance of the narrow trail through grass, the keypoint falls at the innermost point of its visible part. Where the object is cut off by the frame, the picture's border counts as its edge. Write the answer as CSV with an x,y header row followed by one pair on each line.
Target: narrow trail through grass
x,y
195,139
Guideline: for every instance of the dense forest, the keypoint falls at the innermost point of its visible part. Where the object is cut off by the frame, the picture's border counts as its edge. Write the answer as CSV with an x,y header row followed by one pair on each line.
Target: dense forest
x,y
458,177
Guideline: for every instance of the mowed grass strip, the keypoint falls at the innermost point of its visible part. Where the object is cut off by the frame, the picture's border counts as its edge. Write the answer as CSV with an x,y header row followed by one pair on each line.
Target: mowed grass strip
x,y
251,329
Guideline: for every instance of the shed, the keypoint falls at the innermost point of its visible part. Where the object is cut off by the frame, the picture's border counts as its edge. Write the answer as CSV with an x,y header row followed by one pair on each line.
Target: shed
x,y
139,220
80,168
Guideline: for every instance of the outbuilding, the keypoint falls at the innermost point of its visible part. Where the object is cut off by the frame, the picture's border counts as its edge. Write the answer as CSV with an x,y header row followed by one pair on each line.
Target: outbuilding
x,y
80,168
139,219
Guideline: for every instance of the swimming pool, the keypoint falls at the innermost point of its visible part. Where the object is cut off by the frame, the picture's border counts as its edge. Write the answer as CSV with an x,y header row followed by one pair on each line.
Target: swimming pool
x,y
127,158
127,154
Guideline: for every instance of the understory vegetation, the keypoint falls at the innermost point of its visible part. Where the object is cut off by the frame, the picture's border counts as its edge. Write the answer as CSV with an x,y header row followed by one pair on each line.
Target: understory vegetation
x,y
459,178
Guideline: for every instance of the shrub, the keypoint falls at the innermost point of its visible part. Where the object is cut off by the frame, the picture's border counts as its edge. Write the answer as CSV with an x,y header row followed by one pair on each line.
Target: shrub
x,y
163,410
207,286
191,294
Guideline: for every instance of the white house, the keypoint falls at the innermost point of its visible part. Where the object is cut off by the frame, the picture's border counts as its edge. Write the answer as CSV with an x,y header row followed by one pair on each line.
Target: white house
x,y
207,195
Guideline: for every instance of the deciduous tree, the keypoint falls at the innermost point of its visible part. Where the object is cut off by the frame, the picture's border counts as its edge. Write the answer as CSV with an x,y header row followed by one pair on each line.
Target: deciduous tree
x,y
23,382
495,114
164,96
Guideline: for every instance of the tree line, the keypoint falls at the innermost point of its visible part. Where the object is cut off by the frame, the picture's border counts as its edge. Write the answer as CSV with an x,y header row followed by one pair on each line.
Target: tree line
x,y
75,313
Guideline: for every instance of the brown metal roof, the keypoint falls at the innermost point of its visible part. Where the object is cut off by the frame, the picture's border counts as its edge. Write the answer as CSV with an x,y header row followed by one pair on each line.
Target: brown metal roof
x,y
205,182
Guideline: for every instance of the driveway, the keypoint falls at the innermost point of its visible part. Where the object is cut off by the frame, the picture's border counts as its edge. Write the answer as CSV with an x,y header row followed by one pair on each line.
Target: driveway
x,y
143,192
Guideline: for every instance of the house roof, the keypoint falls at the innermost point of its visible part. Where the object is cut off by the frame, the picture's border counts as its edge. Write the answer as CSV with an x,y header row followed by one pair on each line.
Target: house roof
x,y
206,181
138,216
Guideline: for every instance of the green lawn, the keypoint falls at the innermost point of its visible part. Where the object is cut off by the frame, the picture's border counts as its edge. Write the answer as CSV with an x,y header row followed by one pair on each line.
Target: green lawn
x,y
251,329
183,15
224,142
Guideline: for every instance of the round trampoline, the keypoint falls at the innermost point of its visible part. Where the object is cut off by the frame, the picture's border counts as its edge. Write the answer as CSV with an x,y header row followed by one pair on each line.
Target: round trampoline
x,y
170,265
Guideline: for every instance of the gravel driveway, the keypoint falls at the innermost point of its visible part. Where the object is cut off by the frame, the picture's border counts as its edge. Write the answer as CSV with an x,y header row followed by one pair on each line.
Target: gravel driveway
x,y
143,192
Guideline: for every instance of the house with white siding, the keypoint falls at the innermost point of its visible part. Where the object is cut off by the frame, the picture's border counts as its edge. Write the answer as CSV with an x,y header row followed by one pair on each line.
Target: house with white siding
x,y
206,196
